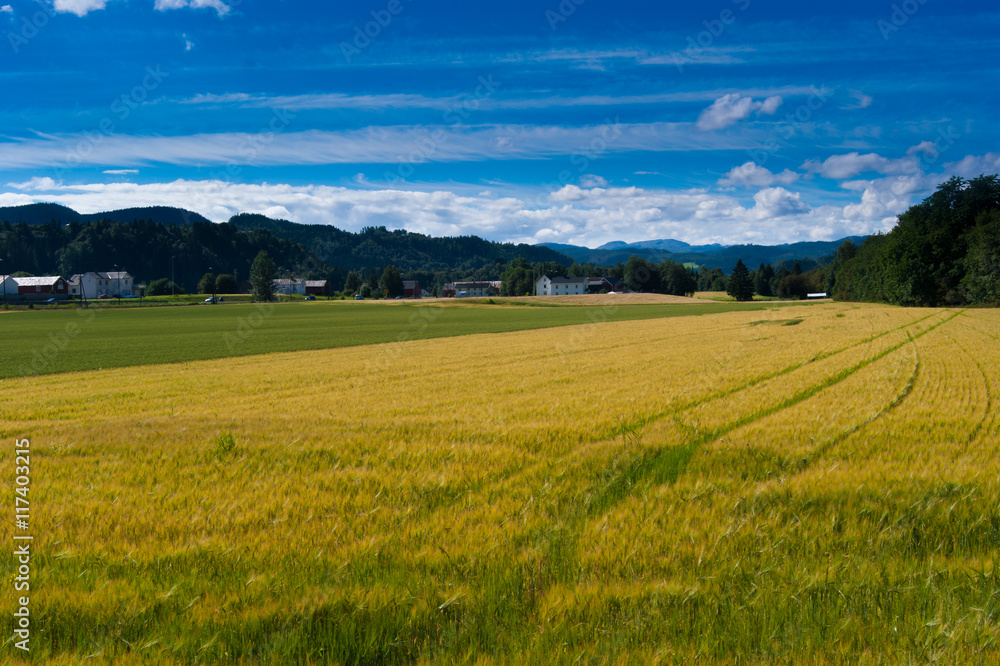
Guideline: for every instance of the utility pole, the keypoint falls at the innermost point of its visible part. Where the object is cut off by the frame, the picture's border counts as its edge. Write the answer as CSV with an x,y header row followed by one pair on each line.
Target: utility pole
x,y
171,277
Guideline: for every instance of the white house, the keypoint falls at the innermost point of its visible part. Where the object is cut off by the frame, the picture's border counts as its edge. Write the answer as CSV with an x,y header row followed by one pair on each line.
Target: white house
x,y
560,286
97,284
8,285
289,286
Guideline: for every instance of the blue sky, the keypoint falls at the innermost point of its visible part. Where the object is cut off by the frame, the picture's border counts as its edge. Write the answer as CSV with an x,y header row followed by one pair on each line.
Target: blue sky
x,y
573,121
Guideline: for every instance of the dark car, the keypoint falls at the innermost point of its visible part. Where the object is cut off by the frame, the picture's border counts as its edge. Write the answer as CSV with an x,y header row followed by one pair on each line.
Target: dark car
x,y
310,297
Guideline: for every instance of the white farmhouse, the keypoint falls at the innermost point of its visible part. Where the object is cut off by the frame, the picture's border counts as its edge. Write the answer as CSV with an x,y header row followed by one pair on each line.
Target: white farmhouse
x,y
97,284
560,286
289,286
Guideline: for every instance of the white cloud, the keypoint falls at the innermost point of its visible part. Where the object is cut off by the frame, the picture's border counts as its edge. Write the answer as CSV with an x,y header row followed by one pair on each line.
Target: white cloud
x,y
752,175
78,7
839,167
972,166
570,214
121,172
35,184
778,202
7,9
861,100
590,180
221,7
729,109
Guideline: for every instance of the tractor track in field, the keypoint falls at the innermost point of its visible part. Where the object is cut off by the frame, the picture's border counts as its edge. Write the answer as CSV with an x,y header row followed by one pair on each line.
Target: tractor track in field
x,y
667,463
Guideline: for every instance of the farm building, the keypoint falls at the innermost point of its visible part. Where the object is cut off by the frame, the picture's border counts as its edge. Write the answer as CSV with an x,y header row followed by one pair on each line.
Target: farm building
x,y
318,287
289,286
96,284
471,289
8,285
560,286
50,286
411,289
602,285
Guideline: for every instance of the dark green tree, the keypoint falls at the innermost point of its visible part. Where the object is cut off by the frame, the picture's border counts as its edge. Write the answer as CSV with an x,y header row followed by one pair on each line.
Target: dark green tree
x,y
262,277
206,285
517,279
226,284
161,287
762,280
676,279
391,282
641,275
353,283
739,285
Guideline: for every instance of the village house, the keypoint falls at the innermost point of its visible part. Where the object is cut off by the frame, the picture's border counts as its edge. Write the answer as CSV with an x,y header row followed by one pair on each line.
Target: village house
x,y
289,286
97,284
560,286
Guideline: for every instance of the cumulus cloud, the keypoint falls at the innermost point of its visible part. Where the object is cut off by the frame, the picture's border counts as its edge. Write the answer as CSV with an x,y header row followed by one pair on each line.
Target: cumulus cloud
x,y
221,7
751,174
839,167
730,109
7,9
571,214
590,180
78,7
778,202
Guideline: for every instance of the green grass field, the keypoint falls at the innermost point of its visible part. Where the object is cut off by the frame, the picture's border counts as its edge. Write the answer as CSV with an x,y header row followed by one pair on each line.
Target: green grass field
x,y
64,340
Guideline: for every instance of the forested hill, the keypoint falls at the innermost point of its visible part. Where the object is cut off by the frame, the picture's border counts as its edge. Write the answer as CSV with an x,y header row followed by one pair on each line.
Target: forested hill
x,y
69,243
944,251
43,213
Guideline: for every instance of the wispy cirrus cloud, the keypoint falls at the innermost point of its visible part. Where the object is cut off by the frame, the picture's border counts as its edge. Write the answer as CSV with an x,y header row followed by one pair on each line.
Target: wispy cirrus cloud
x,y
379,145
444,103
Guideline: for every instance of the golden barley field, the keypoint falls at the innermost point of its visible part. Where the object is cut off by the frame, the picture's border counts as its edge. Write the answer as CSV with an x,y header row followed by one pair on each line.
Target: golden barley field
x,y
807,484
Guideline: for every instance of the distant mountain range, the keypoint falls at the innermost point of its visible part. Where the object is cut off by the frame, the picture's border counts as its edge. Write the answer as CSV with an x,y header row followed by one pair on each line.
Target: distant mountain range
x,y
376,247
722,256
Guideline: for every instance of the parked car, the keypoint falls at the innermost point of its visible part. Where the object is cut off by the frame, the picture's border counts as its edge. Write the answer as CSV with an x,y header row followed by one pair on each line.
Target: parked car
x,y
210,299
52,301
103,296
310,297
359,297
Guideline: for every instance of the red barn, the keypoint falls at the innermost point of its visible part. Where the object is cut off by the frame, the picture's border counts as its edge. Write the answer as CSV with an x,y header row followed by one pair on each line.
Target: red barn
x,y
41,287
412,289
